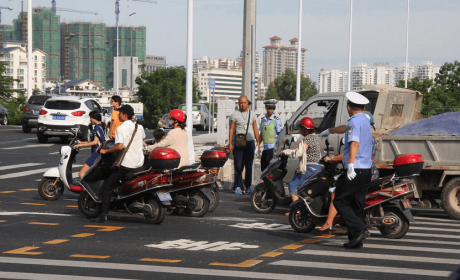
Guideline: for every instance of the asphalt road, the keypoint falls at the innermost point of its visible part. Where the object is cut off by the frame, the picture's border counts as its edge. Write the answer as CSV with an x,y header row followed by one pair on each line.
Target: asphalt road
x,y
51,240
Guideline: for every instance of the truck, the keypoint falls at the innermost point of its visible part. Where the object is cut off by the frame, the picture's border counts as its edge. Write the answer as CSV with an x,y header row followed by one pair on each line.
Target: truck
x,y
392,108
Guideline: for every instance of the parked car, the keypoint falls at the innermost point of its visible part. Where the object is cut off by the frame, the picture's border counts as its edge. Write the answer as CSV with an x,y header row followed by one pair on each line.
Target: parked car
x,y
164,122
3,115
61,114
200,115
30,111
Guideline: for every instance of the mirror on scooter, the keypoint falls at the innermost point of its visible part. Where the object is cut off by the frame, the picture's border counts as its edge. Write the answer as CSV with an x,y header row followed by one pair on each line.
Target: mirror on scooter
x,y
287,142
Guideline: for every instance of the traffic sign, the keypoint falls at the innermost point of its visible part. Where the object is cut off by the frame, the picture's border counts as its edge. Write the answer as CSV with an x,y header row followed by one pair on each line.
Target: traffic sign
x,y
212,83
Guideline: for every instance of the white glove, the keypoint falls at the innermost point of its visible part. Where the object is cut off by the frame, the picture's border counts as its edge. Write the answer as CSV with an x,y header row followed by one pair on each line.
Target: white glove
x,y
325,134
351,174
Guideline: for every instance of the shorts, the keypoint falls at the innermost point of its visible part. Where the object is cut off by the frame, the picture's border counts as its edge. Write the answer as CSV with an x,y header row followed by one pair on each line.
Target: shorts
x,y
90,161
299,178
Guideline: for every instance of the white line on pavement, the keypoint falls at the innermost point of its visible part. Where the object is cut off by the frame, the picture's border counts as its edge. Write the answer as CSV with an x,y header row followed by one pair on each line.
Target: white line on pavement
x,y
34,213
30,172
19,166
421,241
404,248
40,276
28,146
369,268
377,256
436,220
164,269
435,224
436,229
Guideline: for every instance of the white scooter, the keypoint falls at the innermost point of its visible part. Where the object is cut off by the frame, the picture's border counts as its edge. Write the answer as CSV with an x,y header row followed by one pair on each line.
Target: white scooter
x,y
51,187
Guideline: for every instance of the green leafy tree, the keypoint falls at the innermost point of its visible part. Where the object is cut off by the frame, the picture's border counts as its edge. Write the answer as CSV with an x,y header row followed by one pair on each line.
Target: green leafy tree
x,y
284,87
36,90
5,91
14,107
163,90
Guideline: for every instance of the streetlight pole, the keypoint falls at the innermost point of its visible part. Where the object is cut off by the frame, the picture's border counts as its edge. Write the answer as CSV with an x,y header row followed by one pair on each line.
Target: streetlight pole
x,y
29,48
118,23
349,47
189,80
407,46
299,54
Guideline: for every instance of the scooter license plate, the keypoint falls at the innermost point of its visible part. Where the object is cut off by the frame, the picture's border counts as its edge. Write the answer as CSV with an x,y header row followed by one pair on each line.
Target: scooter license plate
x,y
164,196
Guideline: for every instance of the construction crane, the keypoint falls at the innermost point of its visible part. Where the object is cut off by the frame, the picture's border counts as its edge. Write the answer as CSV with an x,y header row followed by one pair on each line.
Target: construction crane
x,y
117,8
54,9
3,8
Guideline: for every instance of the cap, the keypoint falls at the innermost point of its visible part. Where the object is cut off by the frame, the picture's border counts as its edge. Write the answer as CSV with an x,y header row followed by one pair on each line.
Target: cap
x,y
271,103
356,98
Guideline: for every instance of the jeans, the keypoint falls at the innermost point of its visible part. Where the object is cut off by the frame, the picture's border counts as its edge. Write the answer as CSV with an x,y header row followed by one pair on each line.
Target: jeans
x,y
299,178
243,157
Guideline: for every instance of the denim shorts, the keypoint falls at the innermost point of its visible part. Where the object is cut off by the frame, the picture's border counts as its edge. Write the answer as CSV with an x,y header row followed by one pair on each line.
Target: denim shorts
x,y
299,178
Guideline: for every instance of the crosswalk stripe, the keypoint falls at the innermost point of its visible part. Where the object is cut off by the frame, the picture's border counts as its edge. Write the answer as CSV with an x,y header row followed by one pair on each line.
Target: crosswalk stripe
x,y
404,248
28,146
19,166
436,229
40,276
421,241
437,220
377,256
29,172
422,234
436,224
369,268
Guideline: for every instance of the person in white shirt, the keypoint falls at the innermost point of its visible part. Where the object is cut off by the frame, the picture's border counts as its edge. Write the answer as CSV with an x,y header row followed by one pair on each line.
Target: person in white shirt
x,y
133,160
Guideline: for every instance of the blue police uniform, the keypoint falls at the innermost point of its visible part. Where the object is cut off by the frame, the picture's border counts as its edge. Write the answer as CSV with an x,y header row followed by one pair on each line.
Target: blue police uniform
x,y
278,126
358,130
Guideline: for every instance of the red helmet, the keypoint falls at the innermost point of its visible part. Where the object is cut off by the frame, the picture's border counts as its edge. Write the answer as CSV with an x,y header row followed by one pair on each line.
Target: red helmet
x,y
307,123
177,115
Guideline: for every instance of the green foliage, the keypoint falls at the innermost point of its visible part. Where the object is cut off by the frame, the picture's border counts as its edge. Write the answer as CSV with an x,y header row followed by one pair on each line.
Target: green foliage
x,y
284,87
441,95
36,90
5,91
163,90
14,107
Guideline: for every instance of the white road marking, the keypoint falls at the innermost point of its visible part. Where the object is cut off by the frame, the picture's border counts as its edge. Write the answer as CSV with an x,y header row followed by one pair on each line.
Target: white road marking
x,y
34,213
40,276
55,153
74,175
27,173
263,226
187,244
234,219
28,146
19,165
436,229
421,241
404,248
369,268
377,256
163,269
435,224
436,220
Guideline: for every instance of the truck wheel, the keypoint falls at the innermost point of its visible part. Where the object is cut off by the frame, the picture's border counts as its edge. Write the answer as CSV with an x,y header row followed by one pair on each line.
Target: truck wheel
x,y
26,129
398,231
263,204
48,191
450,198
300,220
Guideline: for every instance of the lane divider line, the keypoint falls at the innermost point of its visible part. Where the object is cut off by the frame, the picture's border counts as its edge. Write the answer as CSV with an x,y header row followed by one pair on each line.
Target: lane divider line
x,y
8,192
310,241
83,235
24,251
248,263
272,254
104,228
291,247
160,260
325,236
89,256
2,221
27,190
36,204
56,241
72,206
44,224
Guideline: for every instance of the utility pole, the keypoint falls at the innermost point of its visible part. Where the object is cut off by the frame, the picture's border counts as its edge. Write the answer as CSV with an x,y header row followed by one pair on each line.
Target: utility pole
x,y
407,47
299,55
29,48
349,47
189,80
249,24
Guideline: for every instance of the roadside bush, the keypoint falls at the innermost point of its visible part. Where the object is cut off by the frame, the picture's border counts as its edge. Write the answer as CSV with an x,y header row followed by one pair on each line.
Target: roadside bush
x,y
14,107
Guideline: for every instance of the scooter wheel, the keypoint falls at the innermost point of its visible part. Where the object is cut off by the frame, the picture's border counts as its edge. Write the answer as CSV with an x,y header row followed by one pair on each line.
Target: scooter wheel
x,y
300,220
49,191
154,211
263,204
215,201
88,207
202,204
398,231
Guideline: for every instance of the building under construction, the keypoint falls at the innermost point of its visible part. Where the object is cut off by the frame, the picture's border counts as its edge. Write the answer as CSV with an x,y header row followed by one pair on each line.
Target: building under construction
x,y
77,50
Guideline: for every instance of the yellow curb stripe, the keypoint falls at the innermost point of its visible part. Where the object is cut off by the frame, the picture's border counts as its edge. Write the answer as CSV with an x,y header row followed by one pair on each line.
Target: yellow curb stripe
x,y
72,206
89,256
24,251
83,235
56,241
104,228
8,192
27,190
248,263
325,236
292,247
44,224
272,254
160,260
2,221
37,204
309,241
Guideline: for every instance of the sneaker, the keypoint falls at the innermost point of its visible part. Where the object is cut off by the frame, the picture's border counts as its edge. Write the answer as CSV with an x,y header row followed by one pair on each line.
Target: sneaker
x,y
238,191
249,191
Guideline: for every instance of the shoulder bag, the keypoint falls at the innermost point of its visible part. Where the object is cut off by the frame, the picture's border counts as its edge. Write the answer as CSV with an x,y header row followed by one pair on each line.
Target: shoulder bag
x,y
240,139
121,155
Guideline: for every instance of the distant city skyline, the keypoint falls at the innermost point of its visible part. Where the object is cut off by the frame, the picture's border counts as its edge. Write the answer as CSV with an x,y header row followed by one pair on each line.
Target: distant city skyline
x,y
379,28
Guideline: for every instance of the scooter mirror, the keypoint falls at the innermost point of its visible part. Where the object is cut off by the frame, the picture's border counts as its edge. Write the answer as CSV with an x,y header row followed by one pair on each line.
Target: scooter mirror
x,y
294,139
287,142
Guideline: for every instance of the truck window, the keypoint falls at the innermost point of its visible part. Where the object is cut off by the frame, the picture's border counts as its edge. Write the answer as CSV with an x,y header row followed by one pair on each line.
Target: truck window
x,y
323,113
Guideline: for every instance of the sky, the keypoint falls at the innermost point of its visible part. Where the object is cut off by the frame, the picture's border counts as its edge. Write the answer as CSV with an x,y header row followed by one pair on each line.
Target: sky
x,y
379,28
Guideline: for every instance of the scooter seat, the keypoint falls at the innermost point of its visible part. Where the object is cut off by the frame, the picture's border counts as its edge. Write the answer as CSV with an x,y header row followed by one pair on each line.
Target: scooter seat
x,y
375,185
185,169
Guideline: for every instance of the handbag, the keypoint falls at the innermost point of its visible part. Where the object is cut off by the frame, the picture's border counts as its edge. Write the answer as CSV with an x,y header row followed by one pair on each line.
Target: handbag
x,y
121,155
240,139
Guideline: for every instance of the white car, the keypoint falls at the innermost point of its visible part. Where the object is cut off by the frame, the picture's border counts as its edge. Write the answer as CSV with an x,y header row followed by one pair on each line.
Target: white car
x,y
200,116
60,114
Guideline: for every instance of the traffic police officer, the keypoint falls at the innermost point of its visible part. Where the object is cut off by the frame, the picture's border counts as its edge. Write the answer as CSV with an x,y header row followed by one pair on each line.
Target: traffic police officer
x,y
353,184
270,127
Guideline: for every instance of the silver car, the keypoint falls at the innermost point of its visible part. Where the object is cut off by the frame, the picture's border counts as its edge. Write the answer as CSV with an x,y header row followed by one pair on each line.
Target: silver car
x,y
200,116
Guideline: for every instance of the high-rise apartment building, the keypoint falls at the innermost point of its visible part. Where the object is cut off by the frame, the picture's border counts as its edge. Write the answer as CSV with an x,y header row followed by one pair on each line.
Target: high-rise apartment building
x,y
332,81
426,70
278,58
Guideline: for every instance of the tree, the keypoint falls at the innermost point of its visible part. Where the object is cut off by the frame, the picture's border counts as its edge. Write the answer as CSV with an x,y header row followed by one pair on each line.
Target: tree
x,y
14,107
163,90
284,87
5,91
